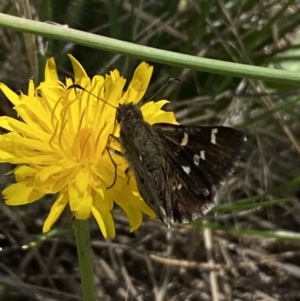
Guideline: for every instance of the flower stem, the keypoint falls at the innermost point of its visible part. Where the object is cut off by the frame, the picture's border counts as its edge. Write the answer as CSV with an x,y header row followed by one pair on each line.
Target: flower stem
x,y
147,53
84,251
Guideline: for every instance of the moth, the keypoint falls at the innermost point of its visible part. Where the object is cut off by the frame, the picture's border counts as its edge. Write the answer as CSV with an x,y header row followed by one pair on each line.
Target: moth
x,y
178,169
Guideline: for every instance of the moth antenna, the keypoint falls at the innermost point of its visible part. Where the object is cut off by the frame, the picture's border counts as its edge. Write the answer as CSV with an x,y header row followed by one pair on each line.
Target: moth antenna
x,y
171,80
76,86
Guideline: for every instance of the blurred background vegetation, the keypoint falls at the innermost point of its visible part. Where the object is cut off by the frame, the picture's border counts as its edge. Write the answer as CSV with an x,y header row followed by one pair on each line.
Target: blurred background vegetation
x,y
247,248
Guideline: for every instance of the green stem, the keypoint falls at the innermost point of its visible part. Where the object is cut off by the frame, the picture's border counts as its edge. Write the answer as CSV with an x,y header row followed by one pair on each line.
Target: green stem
x,y
82,234
148,53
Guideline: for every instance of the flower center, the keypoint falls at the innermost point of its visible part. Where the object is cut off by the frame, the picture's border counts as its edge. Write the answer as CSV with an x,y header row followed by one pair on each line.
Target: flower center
x,y
84,144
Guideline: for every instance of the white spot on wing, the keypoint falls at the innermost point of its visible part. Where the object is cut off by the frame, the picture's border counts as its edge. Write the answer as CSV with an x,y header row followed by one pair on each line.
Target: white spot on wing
x,y
205,192
186,169
167,221
213,138
179,186
185,139
141,158
207,207
196,159
204,210
202,155
245,139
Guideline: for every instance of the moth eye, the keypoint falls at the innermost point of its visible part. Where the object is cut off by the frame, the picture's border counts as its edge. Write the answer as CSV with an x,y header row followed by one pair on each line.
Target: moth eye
x,y
186,169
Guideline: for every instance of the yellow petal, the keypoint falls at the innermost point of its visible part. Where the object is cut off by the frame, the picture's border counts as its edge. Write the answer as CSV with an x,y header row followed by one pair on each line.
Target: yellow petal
x,y
32,112
79,72
153,106
113,95
31,89
55,211
50,71
133,213
31,130
80,201
139,83
166,117
52,179
12,96
7,156
153,113
69,82
84,208
136,200
103,217
82,180
21,194
24,172
12,139
97,83
48,171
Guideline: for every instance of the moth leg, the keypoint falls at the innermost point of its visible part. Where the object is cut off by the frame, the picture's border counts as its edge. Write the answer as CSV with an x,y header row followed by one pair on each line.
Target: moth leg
x,y
113,137
119,153
109,150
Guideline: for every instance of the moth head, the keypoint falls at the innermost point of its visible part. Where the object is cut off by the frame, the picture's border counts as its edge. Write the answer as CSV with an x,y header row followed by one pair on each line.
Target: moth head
x,y
128,111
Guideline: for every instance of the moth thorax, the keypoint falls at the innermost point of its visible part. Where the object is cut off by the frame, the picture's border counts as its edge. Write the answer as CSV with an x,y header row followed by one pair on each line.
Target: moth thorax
x,y
128,111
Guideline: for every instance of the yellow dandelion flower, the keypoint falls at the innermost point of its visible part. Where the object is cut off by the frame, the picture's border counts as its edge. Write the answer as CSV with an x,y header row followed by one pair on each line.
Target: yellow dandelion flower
x,y
59,144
